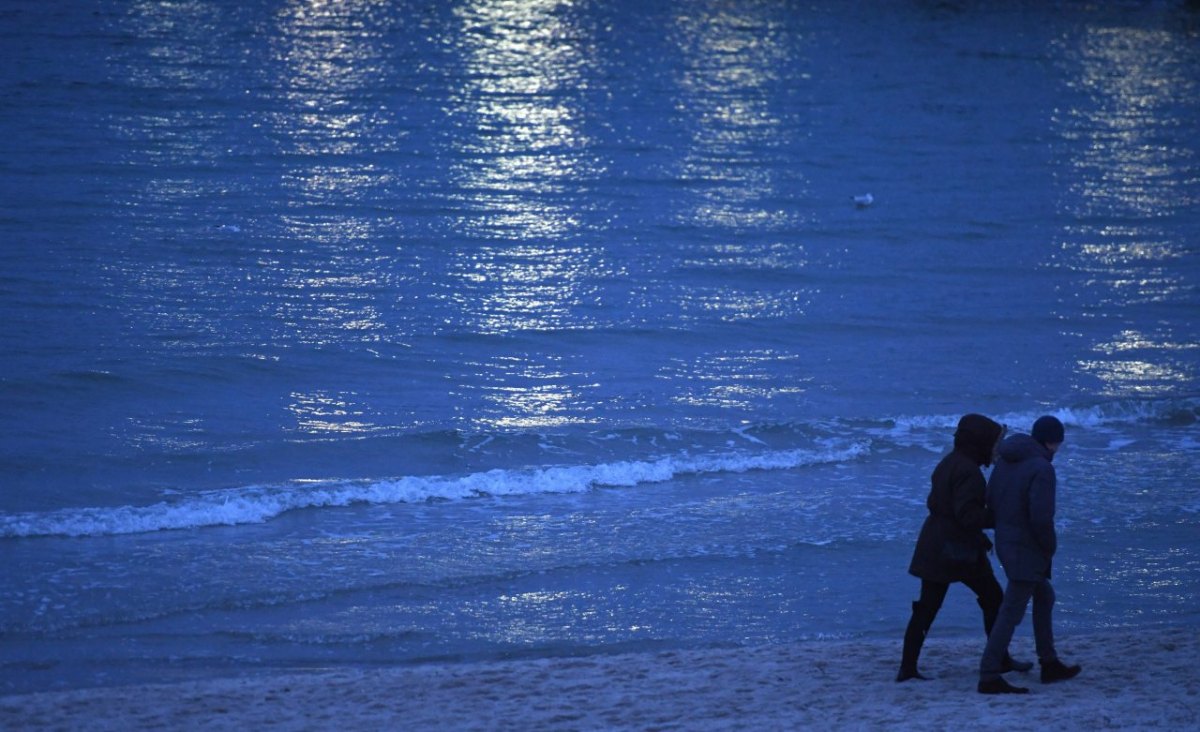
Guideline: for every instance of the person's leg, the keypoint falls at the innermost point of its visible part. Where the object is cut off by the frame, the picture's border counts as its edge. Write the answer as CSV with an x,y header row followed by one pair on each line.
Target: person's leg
x,y
1053,669
989,596
1012,609
1043,622
924,610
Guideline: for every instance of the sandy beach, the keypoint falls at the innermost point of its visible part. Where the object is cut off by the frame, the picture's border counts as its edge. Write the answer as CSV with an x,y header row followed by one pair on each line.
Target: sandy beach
x,y
1129,681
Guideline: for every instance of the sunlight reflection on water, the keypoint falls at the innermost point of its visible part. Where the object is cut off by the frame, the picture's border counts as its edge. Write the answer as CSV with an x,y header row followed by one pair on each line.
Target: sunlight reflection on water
x,y
489,171
1129,168
523,391
731,60
521,123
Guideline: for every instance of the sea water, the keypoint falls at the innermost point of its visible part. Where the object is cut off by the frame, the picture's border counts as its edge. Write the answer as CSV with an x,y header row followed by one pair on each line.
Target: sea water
x,y
378,332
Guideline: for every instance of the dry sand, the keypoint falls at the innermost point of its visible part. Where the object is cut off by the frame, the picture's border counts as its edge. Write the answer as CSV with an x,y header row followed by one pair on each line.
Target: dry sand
x,y
1129,681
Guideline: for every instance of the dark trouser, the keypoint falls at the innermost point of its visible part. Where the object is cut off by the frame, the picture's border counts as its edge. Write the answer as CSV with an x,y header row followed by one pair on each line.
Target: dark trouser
x,y
1016,599
988,594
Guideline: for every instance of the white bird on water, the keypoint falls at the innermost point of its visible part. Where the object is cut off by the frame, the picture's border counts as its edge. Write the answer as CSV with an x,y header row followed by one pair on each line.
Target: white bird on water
x,y
864,200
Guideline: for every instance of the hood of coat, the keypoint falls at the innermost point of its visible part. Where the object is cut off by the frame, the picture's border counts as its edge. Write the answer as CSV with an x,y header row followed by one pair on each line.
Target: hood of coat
x,y
976,436
1020,448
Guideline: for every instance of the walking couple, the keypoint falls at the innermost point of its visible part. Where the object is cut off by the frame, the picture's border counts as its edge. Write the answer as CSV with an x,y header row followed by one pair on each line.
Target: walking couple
x,y
1018,502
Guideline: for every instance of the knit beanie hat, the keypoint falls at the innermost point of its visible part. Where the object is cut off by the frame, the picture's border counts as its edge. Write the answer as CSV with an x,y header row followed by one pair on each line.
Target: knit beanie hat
x,y
1048,430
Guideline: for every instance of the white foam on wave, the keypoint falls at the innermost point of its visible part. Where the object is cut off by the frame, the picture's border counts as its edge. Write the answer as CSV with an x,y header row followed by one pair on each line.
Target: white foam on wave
x,y
258,504
1101,415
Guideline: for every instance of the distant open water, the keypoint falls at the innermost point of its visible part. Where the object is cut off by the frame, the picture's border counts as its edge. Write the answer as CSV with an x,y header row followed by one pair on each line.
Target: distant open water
x,y
373,333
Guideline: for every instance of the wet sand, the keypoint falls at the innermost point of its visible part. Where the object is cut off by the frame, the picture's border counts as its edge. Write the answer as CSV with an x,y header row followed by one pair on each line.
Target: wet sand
x,y
1129,680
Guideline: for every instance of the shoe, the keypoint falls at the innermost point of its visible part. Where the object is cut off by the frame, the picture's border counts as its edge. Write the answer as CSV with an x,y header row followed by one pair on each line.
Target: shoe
x,y
1057,671
910,673
1011,664
999,686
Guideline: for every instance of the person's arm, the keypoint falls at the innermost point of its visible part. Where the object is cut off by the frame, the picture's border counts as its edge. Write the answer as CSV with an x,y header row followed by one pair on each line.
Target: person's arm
x,y
968,503
1041,509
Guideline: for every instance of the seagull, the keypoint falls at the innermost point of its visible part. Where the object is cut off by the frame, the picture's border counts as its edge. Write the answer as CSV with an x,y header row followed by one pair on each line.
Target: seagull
x,y
864,200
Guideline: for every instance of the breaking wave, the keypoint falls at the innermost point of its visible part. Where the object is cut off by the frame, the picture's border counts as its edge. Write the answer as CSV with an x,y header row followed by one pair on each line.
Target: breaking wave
x,y
257,504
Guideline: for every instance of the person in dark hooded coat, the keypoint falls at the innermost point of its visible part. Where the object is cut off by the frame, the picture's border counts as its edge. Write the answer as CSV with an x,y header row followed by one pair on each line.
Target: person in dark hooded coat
x,y
952,546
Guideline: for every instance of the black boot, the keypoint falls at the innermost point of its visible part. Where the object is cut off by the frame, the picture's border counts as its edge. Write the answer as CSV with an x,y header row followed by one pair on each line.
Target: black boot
x,y
910,673
1011,664
999,686
914,638
1057,671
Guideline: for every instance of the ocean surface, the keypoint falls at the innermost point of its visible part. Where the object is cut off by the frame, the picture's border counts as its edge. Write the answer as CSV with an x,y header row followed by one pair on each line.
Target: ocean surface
x,y
368,332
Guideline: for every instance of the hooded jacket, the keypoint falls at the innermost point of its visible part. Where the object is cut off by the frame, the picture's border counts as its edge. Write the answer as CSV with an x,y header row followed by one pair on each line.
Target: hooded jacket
x,y
952,546
1021,493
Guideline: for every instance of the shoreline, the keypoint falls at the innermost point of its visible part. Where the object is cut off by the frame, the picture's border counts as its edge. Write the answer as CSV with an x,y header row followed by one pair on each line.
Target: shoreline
x,y
1130,679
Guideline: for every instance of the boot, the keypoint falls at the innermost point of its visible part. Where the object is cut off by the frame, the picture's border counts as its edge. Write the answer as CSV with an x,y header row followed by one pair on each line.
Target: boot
x,y
1011,664
999,686
910,673
1056,671
914,638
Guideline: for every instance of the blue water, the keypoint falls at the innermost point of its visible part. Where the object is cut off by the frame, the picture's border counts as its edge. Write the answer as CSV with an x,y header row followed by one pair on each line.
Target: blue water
x,y
359,332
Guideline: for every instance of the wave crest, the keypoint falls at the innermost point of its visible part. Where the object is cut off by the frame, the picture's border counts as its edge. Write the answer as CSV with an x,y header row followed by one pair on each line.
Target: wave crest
x,y
257,504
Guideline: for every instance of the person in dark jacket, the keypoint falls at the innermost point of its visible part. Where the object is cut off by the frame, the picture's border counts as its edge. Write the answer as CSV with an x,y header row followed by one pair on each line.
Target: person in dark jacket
x,y
1021,494
952,546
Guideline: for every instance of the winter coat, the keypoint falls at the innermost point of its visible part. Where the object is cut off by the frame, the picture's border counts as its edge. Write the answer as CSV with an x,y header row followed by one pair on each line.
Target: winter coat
x,y
952,546
1021,493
